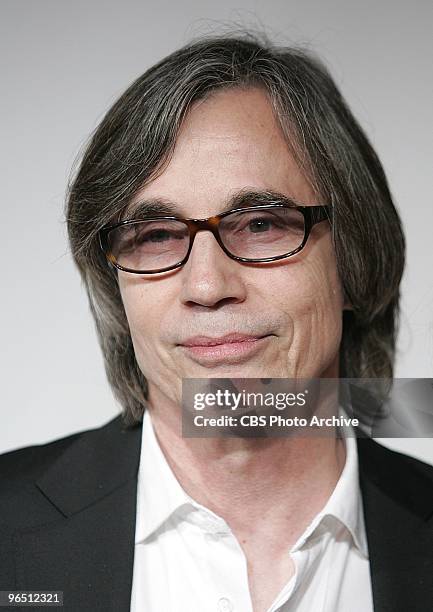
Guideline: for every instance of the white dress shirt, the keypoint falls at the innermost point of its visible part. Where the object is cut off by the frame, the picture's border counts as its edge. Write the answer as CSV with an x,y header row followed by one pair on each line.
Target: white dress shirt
x,y
188,560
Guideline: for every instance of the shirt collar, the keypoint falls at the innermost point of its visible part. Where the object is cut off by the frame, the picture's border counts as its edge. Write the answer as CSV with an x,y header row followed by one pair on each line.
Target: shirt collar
x,y
159,493
345,502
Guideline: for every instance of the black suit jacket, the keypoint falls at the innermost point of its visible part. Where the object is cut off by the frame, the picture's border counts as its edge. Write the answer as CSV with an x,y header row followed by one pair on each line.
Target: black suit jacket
x,y
67,521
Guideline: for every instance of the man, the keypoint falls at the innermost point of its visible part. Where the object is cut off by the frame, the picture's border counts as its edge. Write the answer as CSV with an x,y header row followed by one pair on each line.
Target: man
x,y
295,274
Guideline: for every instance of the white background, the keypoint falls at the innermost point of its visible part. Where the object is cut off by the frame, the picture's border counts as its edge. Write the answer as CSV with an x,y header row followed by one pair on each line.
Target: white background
x,y
64,63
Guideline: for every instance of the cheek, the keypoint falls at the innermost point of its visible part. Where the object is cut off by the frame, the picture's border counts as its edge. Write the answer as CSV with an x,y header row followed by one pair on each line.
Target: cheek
x,y
142,308
149,310
309,289
311,296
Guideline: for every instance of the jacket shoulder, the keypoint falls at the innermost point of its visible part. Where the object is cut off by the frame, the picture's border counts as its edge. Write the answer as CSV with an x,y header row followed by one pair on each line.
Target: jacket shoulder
x,y
373,452
407,480
77,463
29,462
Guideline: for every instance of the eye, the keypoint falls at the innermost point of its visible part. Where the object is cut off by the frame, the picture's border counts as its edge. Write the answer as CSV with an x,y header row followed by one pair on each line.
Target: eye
x,y
147,235
254,221
154,235
262,224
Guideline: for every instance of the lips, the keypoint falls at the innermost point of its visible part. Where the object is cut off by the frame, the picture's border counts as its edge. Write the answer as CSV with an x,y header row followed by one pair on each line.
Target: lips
x,y
225,350
226,339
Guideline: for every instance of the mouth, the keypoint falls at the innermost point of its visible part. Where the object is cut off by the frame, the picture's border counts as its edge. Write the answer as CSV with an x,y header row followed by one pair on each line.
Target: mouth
x,y
228,349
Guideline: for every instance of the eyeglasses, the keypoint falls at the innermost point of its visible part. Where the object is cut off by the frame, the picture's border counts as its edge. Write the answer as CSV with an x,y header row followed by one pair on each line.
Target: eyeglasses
x,y
255,234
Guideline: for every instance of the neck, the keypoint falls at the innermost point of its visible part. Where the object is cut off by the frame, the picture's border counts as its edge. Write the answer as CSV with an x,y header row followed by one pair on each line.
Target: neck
x,y
286,481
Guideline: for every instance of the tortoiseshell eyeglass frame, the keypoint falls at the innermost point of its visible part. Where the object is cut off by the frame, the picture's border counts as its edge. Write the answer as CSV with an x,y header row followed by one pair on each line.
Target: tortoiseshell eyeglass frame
x,y
312,215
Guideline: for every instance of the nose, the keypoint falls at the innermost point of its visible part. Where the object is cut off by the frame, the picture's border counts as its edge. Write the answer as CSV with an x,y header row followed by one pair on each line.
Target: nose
x,y
210,277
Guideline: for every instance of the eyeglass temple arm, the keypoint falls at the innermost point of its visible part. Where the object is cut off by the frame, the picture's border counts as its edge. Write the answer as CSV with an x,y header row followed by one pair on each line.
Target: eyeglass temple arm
x,y
316,214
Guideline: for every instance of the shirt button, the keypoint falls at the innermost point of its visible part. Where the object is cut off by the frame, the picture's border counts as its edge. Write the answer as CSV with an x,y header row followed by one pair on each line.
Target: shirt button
x,y
225,605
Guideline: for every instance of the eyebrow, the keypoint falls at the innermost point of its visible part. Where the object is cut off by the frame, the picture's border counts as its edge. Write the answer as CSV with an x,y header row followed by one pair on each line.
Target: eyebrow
x,y
242,199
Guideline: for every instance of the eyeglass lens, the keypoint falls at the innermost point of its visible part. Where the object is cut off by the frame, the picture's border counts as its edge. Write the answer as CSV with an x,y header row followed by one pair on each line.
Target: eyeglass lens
x,y
251,234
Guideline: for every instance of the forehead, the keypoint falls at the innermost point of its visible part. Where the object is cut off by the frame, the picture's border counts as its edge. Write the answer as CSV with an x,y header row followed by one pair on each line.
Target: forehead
x,y
229,142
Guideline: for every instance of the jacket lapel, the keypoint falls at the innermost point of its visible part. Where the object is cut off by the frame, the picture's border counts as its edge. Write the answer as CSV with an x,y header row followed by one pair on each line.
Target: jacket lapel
x,y
88,552
398,508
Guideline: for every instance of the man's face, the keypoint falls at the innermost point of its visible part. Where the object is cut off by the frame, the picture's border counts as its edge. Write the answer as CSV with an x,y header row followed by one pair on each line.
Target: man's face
x,y
229,143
